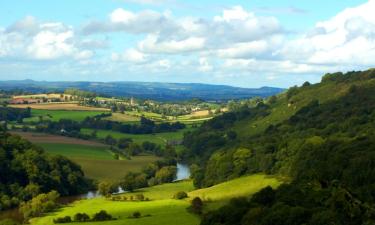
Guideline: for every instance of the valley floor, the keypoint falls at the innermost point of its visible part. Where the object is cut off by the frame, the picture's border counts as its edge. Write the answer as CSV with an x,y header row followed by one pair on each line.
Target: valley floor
x,y
162,208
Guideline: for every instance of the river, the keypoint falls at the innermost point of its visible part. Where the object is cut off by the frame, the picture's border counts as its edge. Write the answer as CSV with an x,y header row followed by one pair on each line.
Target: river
x,y
183,172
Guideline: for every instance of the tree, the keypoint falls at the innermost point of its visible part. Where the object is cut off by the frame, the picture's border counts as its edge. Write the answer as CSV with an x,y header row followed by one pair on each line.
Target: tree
x,y
106,188
197,205
166,174
180,195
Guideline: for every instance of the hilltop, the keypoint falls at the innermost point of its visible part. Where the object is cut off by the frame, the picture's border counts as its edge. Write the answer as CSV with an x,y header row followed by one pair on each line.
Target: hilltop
x,y
146,90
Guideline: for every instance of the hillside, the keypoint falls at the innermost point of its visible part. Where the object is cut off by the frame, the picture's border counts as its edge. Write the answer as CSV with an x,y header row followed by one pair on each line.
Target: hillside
x,y
321,137
146,90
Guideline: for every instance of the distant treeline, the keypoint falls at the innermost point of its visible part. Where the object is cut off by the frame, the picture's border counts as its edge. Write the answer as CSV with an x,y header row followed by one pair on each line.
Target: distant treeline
x,y
12,114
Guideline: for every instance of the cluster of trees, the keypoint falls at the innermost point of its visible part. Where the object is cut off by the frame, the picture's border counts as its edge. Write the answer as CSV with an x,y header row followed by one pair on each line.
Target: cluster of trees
x,y
294,204
27,171
155,173
13,114
102,215
146,126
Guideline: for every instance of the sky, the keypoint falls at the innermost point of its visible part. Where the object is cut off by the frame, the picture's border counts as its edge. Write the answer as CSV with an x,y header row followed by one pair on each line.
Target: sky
x,y
245,43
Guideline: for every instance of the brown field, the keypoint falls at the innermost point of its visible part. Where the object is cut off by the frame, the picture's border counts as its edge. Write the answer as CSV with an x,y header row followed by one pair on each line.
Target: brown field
x,y
200,113
55,139
59,106
123,117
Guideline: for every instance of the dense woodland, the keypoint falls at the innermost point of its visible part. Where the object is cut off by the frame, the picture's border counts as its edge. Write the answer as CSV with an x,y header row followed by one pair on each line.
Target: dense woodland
x,y
26,171
326,149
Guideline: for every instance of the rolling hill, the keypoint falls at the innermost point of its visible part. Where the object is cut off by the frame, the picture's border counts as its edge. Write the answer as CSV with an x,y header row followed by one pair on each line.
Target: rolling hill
x,y
147,90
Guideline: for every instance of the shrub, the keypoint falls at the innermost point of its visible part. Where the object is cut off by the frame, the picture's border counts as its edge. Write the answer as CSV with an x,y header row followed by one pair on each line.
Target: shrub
x,y
180,195
136,215
102,216
65,219
140,197
81,217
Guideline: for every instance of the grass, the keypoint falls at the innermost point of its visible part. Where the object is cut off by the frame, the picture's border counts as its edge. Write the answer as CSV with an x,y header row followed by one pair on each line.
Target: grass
x,y
97,162
166,212
164,191
243,186
113,169
78,151
159,138
56,115
162,208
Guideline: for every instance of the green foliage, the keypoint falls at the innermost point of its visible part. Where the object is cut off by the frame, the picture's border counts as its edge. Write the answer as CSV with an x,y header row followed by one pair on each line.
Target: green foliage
x,y
40,204
180,195
197,205
133,181
102,216
81,217
106,188
26,171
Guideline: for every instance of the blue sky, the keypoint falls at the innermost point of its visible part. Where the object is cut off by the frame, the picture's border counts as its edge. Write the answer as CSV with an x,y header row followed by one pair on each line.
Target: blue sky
x,y
243,43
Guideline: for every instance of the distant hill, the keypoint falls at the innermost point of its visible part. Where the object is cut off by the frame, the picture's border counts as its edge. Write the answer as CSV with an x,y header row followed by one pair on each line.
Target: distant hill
x,y
147,90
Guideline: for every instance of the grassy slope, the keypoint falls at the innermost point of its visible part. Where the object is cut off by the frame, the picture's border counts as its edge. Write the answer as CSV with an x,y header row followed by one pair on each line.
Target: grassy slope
x,y
98,162
162,208
56,115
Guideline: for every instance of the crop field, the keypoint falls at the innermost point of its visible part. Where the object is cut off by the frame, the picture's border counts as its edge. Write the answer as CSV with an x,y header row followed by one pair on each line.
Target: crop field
x,y
56,115
162,209
159,138
104,169
124,118
59,106
55,139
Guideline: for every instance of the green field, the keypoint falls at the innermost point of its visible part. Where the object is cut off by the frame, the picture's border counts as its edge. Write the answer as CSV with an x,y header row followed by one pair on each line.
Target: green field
x,y
162,208
159,138
56,115
78,151
243,186
97,162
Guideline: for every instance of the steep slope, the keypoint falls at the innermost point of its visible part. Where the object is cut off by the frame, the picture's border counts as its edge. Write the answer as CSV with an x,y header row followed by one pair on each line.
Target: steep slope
x,y
268,137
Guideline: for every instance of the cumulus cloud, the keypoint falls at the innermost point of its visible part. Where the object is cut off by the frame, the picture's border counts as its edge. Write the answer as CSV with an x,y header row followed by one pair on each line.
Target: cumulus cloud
x,y
347,38
31,39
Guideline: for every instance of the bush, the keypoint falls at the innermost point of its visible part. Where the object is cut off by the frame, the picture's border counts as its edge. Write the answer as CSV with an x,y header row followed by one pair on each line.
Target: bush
x,y
65,219
180,195
140,197
136,215
101,216
81,217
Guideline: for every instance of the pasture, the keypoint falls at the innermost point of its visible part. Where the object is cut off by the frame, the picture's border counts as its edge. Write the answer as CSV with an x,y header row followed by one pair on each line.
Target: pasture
x,y
56,115
162,208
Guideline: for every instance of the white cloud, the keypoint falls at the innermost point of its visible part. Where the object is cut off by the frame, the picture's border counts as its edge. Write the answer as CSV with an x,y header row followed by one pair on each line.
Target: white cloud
x,y
348,38
151,45
204,65
130,55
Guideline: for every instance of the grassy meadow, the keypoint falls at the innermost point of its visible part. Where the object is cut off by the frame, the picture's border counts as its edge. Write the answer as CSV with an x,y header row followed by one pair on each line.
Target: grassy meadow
x,y
56,115
162,208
